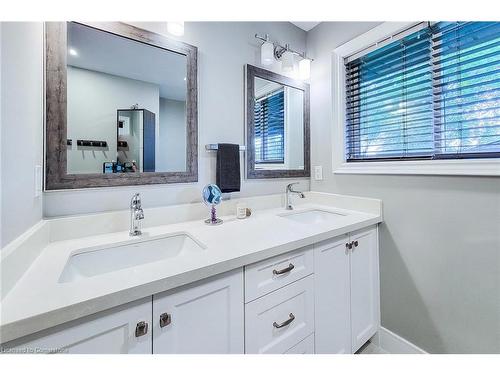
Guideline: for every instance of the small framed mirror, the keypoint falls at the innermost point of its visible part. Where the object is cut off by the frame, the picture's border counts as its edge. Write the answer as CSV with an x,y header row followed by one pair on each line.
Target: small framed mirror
x,y
277,125
121,107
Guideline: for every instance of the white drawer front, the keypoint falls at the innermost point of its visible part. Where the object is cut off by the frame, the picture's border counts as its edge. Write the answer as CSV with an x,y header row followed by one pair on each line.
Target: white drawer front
x,y
295,300
270,274
306,346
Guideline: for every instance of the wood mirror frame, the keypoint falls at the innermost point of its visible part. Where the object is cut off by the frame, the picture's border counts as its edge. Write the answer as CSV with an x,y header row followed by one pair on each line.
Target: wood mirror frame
x,y
56,176
252,72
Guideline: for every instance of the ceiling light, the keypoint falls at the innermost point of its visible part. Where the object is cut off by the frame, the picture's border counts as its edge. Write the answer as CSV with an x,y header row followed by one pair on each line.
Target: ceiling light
x,y
176,28
304,68
73,52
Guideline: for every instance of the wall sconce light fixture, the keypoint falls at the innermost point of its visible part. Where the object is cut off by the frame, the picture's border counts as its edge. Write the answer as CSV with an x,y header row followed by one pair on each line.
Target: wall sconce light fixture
x,y
286,56
271,51
267,52
305,68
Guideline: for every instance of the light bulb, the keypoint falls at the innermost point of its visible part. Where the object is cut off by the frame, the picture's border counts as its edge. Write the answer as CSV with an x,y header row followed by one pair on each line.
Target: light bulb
x,y
287,61
304,68
267,53
176,28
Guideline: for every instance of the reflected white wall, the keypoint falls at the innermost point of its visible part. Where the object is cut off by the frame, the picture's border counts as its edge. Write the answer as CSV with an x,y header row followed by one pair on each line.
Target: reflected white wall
x,y
171,154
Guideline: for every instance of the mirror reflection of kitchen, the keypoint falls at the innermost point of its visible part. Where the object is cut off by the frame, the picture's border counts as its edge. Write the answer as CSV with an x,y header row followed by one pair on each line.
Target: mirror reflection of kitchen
x,y
279,126
126,105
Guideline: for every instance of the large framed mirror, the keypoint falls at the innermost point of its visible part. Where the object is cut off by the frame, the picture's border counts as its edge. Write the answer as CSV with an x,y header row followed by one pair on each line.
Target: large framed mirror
x,y
121,107
277,125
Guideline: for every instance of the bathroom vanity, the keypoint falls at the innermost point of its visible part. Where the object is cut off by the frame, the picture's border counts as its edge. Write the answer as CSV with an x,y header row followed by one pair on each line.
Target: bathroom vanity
x,y
297,276
299,281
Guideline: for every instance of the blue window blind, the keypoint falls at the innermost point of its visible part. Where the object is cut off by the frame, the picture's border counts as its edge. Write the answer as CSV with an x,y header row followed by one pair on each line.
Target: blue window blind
x,y
466,69
269,114
432,94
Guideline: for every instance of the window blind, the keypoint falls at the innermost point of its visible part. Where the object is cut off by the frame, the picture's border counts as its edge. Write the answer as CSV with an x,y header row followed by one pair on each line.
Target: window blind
x,y
431,94
466,70
269,117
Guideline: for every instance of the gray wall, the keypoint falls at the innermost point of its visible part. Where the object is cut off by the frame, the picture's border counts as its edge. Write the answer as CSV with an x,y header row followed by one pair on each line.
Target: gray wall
x,y
223,49
440,241
21,126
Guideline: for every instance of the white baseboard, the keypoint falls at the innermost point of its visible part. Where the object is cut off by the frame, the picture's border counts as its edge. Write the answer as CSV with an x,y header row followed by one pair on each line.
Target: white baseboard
x,y
394,344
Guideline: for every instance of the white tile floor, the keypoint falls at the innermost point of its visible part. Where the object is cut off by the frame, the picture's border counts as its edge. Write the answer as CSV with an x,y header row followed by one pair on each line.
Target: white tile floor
x,y
371,348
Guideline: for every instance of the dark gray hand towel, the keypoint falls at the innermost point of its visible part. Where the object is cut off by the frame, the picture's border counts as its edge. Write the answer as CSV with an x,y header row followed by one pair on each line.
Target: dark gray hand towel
x,y
228,167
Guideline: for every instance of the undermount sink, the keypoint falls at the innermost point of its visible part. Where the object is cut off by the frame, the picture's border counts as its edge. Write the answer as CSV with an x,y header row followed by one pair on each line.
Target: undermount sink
x,y
100,260
314,216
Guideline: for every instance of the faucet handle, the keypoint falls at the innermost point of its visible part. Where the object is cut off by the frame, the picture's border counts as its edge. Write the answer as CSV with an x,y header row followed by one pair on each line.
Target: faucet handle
x,y
136,200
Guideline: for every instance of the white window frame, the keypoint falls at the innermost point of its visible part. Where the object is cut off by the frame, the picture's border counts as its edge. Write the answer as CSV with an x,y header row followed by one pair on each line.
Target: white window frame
x,y
465,167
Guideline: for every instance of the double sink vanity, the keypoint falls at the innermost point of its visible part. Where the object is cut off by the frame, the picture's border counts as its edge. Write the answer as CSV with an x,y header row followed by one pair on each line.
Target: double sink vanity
x,y
280,281
293,277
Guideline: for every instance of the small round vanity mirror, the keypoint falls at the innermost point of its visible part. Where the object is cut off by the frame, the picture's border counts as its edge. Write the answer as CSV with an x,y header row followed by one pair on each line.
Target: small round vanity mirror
x,y
212,196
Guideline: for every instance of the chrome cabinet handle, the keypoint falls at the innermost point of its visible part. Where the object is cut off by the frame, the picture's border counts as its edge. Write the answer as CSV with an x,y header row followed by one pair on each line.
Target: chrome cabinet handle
x,y
141,329
285,323
165,319
354,244
284,270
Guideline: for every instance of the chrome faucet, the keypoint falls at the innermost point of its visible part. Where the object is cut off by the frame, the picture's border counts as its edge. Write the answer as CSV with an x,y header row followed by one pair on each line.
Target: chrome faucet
x,y
136,215
289,190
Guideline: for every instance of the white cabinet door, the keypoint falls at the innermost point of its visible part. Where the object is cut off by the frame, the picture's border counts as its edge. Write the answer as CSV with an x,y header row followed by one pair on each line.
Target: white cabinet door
x,y
108,332
201,318
332,294
365,311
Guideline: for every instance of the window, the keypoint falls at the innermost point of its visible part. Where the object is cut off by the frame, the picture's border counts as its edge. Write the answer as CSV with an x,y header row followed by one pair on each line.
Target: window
x,y
270,128
432,94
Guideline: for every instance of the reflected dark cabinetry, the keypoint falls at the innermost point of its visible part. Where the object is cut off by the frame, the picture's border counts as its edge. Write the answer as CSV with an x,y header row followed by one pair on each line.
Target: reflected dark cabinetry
x,y
149,141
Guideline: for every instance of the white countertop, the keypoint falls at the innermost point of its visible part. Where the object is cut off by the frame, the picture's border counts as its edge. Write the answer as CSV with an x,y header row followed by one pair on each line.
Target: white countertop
x,y
38,300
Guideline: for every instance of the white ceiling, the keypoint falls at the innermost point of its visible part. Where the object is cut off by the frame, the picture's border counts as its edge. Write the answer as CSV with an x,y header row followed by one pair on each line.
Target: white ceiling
x,y
306,26
107,53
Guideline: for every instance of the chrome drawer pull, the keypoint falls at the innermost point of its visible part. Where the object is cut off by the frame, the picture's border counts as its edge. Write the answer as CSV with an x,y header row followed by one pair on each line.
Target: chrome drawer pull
x,y
141,329
285,323
284,270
